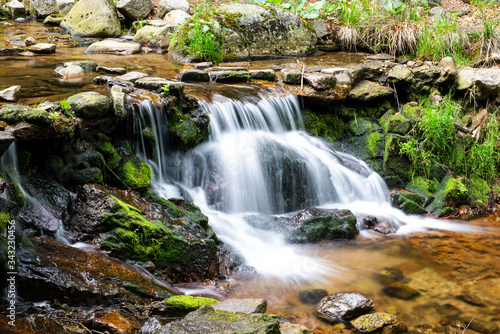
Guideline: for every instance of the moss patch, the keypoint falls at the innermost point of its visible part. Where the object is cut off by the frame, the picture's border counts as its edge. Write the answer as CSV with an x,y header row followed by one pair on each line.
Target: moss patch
x,y
479,191
184,304
329,127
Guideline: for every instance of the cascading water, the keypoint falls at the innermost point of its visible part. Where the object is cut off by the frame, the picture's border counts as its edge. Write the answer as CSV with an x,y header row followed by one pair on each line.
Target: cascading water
x,y
258,160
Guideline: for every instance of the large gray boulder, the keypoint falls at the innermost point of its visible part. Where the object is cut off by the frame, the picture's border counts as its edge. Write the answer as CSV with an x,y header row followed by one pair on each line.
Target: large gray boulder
x,y
135,9
253,30
93,18
114,47
16,9
166,6
176,17
89,105
487,82
65,6
44,8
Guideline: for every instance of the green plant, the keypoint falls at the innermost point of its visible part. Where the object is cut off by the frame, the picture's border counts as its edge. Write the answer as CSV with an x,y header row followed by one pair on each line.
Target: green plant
x,y
165,90
484,157
53,116
66,108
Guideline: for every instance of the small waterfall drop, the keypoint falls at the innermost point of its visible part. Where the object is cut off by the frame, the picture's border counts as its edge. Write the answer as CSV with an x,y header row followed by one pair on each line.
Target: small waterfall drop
x,y
259,161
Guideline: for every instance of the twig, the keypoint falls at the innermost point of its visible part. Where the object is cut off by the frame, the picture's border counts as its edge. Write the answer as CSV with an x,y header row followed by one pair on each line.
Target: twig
x,y
468,324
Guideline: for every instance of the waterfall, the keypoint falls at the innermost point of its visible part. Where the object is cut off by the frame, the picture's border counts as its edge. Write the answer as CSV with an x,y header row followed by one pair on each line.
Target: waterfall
x,y
259,161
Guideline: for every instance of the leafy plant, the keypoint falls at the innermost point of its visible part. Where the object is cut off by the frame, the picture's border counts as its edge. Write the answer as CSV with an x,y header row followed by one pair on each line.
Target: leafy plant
x,y
484,157
53,116
165,90
66,108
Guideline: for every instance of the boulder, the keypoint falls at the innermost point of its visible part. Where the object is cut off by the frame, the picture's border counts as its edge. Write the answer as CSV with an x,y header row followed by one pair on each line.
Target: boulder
x,y
156,84
194,75
486,82
209,321
111,70
369,90
165,6
89,105
16,9
10,94
115,47
344,305
154,35
247,306
465,79
44,8
322,224
43,48
176,17
70,72
135,10
86,66
118,98
65,6
93,18
372,322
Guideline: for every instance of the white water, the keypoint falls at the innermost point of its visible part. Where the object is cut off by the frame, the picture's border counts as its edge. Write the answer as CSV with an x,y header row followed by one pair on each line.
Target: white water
x,y
258,160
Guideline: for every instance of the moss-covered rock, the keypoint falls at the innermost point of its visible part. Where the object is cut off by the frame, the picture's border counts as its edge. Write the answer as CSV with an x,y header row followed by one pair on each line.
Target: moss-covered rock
x,y
188,129
360,126
450,193
89,105
37,116
479,191
369,90
378,322
410,203
329,127
424,187
182,305
11,113
93,18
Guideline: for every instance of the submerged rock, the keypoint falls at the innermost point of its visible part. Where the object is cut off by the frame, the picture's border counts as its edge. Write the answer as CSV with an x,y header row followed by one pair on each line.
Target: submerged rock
x,y
247,306
344,305
375,321
312,296
400,290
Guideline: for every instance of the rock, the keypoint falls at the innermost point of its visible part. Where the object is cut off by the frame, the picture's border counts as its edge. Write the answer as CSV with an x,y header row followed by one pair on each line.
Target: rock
x,y
312,296
437,13
400,290
10,51
470,299
266,75
118,98
111,70
246,306
16,9
385,228
320,81
340,73
11,113
194,75
49,270
486,82
381,57
229,76
6,138
112,322
369,90
181,305
320,28
20,20
156,84
176,17
87,66
37,116
209,321
376,321
410,203
165,6
291,76
157,36
44,48
70,72
135,10
388,276
150,326
344,305
369,222
400,75
53,19
29,41
93,18
44,8
203,65
478,325
115,47
322,224
465,79
448,71
289,328
89,105
65,6
132,76
10,94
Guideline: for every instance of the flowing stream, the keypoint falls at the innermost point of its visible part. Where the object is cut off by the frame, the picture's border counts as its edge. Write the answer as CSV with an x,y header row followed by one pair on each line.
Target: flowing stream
x,y
259,162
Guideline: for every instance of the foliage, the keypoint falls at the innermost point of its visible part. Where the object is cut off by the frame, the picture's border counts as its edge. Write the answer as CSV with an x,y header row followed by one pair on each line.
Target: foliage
x,y
315,10
66,108
484,157
165,90
53,116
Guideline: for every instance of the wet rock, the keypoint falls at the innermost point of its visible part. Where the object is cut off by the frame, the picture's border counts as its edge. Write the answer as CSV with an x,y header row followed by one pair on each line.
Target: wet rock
x,y
6,138
103,79
448,311
11,113
230,76
320,81
65,6
70,72
10,51
156,84
322,224
388,276
165,6
369,222
381,57
340,73
150,326
112,323
289,328
49,270
87,66
194,75
400,290
16,9
376,321
10,94
132,76
118,98
385,228
470,299
101,21
180,305
210,321
89,105
111,70
246,306
43,48
135,9
37,116
267,75
344,305
29,41
291,76
203,65
369,90
312,296
409,202
115,47
44,8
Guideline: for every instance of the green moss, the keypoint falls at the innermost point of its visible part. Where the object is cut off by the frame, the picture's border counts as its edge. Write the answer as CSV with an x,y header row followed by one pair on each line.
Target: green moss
x,y
411,111
422,186
410,203
11,113
360,126
479,191
5,218
182,304
453,191
37,116
87,175
184,210
373,142
186,131
135,174
324,228
109,153
329,127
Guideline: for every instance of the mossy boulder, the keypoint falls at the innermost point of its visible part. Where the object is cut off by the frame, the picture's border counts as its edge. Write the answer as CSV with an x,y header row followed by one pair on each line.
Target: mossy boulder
x,y
329,127
11,113
450,193
410,203
181,305
424,187
319,224
188,128
479,191
37,116
93,18
369,90
89,105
